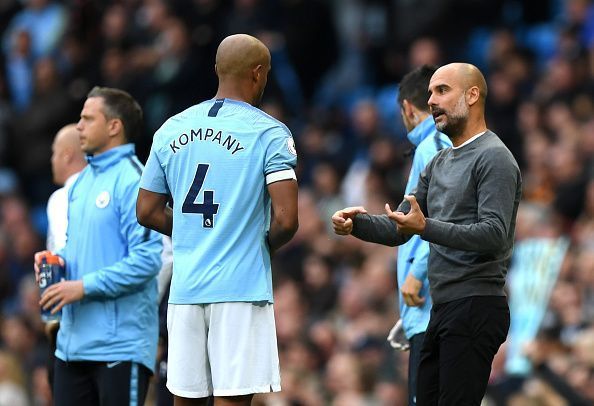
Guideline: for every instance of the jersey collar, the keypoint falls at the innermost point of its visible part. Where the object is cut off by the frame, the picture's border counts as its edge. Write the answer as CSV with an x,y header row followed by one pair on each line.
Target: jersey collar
x,y
422,131
110,157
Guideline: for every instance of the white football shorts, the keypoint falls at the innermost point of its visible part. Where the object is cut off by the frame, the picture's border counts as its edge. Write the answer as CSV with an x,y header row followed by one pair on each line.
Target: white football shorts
x,y
222,349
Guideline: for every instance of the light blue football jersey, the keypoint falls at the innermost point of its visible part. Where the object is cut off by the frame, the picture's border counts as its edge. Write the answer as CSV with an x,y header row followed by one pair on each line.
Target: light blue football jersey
x,y
215,160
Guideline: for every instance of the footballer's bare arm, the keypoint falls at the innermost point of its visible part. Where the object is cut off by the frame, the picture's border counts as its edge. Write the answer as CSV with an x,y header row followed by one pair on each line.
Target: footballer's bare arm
x,y
152,211
284,223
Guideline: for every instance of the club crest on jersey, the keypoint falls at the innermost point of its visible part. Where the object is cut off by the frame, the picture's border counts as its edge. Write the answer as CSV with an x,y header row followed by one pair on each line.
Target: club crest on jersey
x,y
291,146
102,199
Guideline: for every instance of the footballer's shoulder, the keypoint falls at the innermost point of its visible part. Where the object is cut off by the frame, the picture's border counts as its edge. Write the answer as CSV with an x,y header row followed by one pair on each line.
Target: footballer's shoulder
x,y
267,122
172,124
274,123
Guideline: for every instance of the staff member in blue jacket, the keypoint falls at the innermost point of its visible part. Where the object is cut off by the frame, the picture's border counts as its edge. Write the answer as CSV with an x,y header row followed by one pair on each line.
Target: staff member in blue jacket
x,y
415,302
108,334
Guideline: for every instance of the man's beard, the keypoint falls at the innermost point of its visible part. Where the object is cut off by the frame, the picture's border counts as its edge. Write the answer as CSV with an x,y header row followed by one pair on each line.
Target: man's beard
x,y
455,121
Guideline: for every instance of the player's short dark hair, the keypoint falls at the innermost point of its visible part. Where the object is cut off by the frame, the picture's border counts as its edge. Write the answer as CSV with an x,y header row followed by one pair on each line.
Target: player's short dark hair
x,y
120,104
413,86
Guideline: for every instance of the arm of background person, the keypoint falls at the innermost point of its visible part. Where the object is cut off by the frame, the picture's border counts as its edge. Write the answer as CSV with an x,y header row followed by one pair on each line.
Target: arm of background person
x,y
418,268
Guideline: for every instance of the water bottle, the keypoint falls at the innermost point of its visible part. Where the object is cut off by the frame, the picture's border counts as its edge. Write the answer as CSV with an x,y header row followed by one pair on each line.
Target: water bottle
x,y
50,272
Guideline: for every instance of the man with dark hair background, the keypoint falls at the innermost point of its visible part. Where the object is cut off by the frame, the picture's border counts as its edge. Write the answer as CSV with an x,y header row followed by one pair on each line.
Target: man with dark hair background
x,y
414,299
106,346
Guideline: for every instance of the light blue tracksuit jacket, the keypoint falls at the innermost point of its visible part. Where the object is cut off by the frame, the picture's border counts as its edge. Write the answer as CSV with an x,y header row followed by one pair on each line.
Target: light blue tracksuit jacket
x,y
413,255
118,261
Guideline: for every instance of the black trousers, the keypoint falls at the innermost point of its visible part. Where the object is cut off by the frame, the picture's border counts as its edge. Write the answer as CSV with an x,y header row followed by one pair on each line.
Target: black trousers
x,y
461,341
93,383
52,335
416,343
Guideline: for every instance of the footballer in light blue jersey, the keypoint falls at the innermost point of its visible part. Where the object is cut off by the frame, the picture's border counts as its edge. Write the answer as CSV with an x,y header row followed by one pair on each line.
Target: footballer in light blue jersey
x,y
215,160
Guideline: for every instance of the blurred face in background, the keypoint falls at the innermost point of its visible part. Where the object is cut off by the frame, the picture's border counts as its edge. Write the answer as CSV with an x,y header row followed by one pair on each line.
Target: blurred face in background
x,y
57,161
65,151
93,127
46,76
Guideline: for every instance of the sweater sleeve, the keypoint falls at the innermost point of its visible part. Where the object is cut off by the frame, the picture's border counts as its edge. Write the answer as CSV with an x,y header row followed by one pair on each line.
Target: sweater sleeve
x,y
498,179
378,229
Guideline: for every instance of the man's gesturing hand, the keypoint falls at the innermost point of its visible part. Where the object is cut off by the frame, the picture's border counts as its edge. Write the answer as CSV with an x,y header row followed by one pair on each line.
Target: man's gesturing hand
x,y
411,223
342,220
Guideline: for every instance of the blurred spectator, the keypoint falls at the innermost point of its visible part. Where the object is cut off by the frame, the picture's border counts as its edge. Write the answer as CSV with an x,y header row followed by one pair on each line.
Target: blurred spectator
x,y
24,241
374,158
6,116
569,180
424,51
115,31
310,35
320,286
19,70
12,380
172,74
34,128
23,343
326,186
501,110
344,379
44,20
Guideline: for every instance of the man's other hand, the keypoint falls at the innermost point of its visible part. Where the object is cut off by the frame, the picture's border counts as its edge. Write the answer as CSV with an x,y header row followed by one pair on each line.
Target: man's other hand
x,y
342,220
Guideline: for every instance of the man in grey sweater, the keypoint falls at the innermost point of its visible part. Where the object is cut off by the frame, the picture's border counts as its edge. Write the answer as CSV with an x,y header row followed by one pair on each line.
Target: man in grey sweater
x,y
465,205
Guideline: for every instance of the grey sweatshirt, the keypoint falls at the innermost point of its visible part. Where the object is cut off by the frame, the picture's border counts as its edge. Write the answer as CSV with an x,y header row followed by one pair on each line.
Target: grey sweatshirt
x,y
470,198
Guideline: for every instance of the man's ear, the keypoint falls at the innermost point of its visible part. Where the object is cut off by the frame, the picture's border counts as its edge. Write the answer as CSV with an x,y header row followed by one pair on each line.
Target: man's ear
x,y
473,95
256,73
407,109
67,154
115,126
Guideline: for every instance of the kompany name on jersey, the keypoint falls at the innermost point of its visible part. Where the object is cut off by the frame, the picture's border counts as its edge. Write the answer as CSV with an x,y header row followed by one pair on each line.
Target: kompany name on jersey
x,y
206,134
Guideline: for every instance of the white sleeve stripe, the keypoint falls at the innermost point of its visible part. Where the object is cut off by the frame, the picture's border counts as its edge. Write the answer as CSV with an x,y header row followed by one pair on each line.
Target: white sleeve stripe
x,y
280,175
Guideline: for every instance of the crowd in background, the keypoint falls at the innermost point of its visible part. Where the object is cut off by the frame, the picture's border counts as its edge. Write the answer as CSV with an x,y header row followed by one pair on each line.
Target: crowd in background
x,y
335,70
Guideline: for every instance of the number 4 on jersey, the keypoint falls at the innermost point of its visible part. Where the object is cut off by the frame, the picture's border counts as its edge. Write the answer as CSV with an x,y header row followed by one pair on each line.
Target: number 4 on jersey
x,y
208,208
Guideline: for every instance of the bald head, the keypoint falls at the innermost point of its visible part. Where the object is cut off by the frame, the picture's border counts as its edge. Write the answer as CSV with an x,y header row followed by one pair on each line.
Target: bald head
x,y
239,54
467,76
68,136
68,157
242,65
